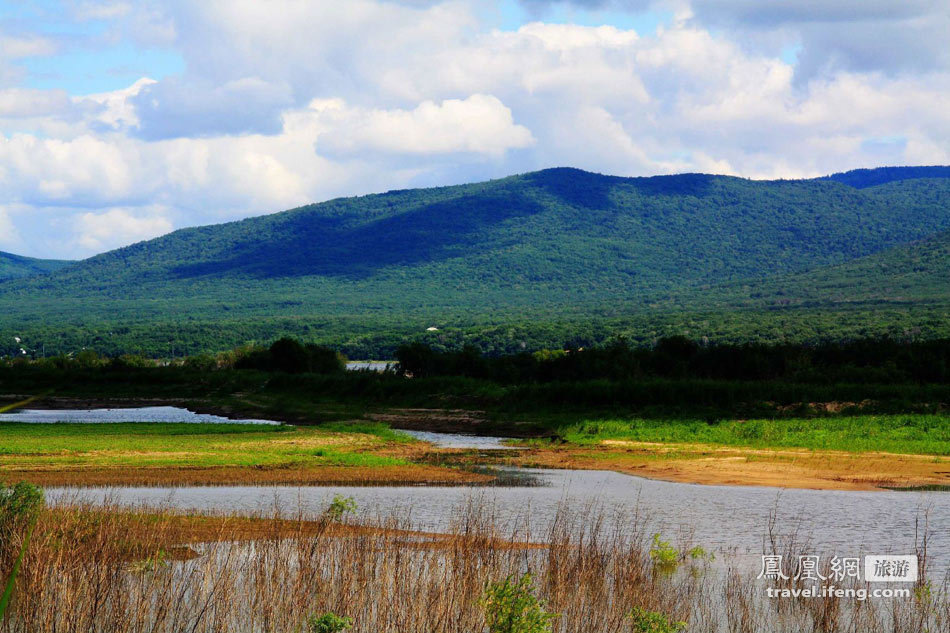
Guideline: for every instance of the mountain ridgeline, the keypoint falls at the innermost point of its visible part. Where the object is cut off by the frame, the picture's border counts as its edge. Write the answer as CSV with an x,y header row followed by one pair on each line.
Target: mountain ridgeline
x,y
16,266
555,245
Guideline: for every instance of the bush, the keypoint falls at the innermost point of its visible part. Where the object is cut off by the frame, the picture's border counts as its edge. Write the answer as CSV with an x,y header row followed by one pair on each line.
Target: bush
x,y
340,507
328,623
645,621
512,607
664,556
129,361
290,356
201,362
19,505
323,360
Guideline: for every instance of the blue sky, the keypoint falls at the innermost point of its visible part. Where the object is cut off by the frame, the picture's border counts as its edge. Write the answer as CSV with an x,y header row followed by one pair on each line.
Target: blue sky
x,y
122,120
89,57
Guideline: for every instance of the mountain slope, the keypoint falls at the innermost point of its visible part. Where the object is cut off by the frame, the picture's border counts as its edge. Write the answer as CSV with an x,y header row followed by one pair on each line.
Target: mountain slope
x,y
559,228
906,274
16,266
862,178
909,273
545,246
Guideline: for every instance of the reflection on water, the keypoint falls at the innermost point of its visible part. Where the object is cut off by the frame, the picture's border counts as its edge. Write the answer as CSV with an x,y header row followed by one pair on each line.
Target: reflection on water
x,y
105,416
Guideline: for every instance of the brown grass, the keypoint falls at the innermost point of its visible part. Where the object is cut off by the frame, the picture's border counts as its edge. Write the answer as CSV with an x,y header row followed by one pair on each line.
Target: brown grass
x,y
113,571
150,531
245,475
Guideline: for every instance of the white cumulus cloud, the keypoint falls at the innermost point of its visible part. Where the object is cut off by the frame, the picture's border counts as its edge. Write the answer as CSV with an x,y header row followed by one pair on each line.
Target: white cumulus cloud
x,y
117,227
480,124
289,102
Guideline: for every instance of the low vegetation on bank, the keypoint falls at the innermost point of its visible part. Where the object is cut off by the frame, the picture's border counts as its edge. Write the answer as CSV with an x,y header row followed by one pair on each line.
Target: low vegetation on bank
x,y
179,454
910,434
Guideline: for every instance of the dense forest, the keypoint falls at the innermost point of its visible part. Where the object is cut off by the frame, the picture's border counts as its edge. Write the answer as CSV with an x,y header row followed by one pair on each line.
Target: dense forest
x,y
676,376
540,260
679,358
861,178
16,266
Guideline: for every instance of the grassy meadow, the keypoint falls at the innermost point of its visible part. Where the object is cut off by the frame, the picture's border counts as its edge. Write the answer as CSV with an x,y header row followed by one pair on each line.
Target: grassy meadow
x,y
183,454
918,434
193,445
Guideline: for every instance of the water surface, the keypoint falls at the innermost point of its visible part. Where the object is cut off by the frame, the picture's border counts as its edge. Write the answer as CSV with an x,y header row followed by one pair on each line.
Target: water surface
x,y
456,440
731,520
106,416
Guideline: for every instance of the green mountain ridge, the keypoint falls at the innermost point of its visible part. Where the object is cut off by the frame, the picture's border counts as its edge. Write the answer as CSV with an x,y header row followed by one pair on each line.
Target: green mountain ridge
x,y
906,274
909,273
556,245
17,266
862,178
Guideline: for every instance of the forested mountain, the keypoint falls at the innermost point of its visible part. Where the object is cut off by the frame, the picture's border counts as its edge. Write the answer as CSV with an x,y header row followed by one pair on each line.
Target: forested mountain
x,y
861,178
551,245
907,274
16,266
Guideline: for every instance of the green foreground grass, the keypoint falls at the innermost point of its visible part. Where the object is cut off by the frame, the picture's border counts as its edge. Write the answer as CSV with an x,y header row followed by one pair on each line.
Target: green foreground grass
x,y
195,445
911,433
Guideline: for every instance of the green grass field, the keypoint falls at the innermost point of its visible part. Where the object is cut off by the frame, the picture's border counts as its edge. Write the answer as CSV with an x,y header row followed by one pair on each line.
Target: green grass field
x,y
194,445
911,433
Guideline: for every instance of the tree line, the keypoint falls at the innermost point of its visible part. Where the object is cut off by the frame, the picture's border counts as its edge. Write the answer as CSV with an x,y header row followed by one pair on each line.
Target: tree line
x,y
677,357
872,360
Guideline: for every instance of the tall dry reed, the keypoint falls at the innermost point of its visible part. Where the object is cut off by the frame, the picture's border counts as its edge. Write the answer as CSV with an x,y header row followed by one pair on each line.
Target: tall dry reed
x,y
106,570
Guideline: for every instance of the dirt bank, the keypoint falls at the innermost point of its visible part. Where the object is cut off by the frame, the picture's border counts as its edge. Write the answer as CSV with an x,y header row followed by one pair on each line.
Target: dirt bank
x,y
703,464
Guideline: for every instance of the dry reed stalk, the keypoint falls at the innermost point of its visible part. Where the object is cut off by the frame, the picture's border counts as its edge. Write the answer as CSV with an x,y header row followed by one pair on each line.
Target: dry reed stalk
x,y
107,570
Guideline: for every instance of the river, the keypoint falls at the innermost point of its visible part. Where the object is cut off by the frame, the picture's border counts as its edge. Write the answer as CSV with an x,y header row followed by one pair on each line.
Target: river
x,y
731,521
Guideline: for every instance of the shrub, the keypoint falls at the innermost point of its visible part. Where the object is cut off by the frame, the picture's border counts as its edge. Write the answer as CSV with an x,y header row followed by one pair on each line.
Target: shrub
x,y
664,556
19,505
328,623
700,553
201,362
340,507
645,621
130,361
323,360
511,607
289,356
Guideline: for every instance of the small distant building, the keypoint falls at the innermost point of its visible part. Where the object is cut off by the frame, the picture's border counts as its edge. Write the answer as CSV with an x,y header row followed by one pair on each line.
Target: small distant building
x,y
432,329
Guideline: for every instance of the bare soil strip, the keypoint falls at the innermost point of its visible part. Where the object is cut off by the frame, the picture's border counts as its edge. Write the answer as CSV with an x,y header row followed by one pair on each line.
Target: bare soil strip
x,y
703,464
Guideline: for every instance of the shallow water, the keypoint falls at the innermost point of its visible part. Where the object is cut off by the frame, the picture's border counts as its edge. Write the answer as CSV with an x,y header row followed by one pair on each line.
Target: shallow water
x,y
455,440
106,416
730,520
